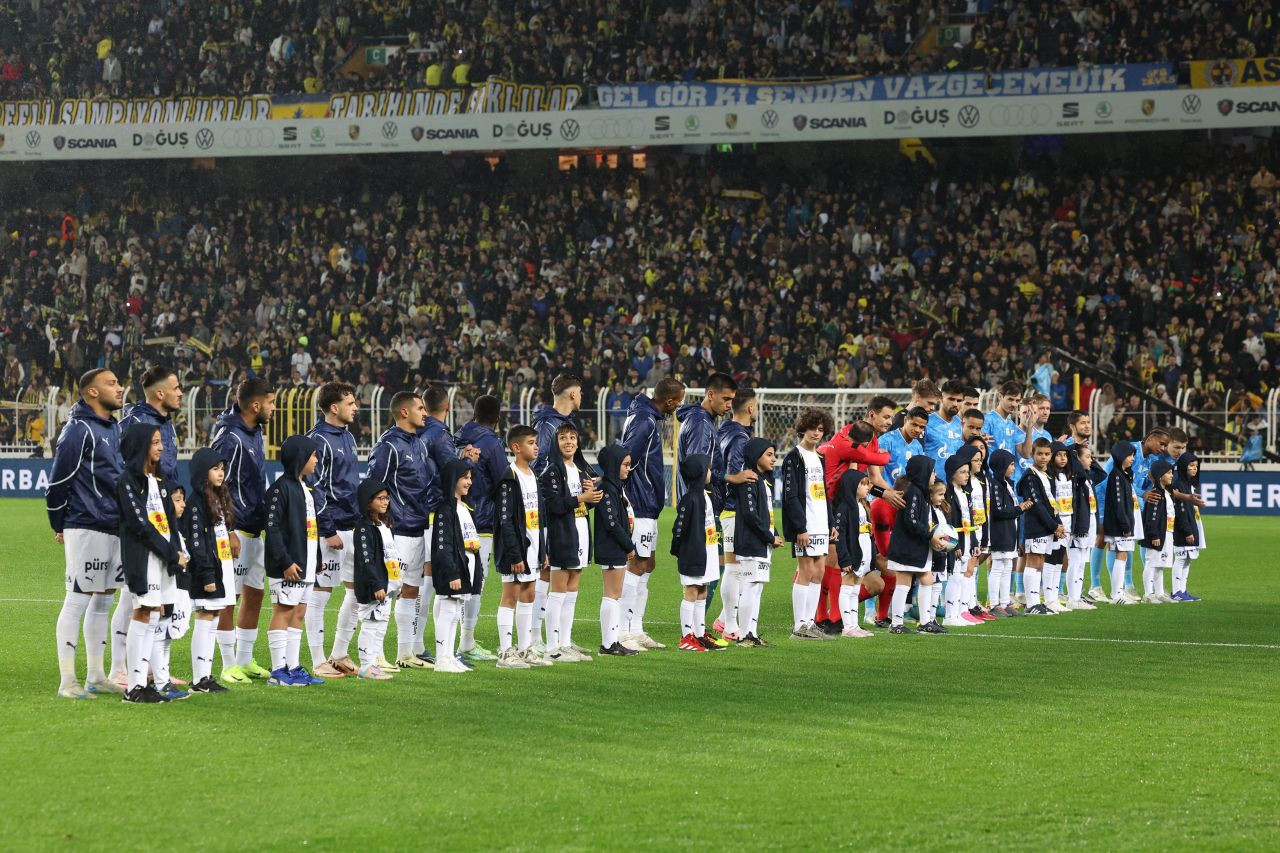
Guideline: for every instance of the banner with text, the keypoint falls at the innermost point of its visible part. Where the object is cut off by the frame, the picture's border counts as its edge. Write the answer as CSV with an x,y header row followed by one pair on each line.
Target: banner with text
x,y
1261,71
1098,80
637,128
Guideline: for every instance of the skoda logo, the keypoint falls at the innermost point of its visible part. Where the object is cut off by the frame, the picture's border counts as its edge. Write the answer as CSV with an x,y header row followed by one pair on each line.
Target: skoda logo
x,y
204,139
569,129
769,119
33,139
317,134
1103,109
390,129
969,116
1191,104
691,123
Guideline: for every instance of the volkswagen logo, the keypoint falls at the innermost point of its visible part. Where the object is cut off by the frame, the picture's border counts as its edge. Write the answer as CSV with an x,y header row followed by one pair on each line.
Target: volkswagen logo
x,y
390,129
204,139
247,137
969,116
1021,115
769,119
569,130
1191,104
33,139
623,129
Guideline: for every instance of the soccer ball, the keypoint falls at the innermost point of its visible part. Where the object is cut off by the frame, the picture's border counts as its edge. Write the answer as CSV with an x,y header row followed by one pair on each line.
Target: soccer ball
x,y
945,532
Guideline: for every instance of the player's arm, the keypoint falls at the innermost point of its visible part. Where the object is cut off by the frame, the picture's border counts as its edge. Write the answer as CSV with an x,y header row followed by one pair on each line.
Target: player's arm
x,y
68,456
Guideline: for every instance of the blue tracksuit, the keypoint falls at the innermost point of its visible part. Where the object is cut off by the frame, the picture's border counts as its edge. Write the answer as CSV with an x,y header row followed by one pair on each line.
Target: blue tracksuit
x,y
145,413
941,439
336,478
246,456
86,466
900,452
698,436
486,473
732,438
642,435
439,442
401,460
546,422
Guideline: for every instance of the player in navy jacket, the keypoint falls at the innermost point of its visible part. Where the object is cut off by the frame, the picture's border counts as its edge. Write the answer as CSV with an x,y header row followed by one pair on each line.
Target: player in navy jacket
x,y
163,400
478,442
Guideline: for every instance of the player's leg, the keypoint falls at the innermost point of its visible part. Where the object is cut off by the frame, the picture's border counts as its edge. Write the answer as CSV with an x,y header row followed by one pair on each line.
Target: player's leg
x,y
408,608
251,568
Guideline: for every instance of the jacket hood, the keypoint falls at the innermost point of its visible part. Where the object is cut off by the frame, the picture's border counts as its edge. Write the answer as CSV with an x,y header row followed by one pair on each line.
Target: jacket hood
x,y
1158,470
694,468
1001,459
142,407
753,450
1073,458
847,492
204,461
610,461
82,410
134,447
960,459
1184,463
1054,448
453,471
687,409
471,433
365,492
919,468
1122,451
231,418
294,453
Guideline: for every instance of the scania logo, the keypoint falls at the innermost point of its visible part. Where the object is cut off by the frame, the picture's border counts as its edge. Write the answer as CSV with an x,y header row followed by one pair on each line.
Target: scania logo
x,y
390,129
416,133
247,137
1191,104
569,130
769,119
800,122
204,139
969,116
59,142
33,139
1224,106
1021,115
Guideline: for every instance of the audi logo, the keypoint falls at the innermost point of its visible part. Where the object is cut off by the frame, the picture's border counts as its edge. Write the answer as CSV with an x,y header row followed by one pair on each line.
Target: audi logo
x,y
569,129
33,139
616,128
769,119
969,116
1191,104
247,137
204,139
390,129
1022,115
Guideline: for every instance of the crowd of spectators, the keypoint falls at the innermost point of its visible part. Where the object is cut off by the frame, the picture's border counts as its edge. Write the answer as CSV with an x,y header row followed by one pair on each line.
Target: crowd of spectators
x,y
168,48
842,279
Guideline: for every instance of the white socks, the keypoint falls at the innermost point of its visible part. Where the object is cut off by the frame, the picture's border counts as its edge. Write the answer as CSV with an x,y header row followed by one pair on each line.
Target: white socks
x,y
470,618
423,608
952,596
408,619
801,613
524,624
293,648
97,622
506,627
566,618
749,595
627,603
226,645
138,641
67,631
348,617
1050,578
540,590
1181,572
554,614
1075,573
314,621
849,604
729,585
927,603
700,618
369,646
160,651
1117,574
277,643
448,617
202,650
686,618
245,639
642,602
1031,582
609,609
899,604
120,630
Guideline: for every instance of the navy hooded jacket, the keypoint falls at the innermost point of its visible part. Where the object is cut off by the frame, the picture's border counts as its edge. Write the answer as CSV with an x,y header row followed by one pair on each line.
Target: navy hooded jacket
x,y
450,559
86,466
198,532
795,516
1186,527
336,478
910,540
511,530
689,533
848,521
288,540
1042,518
139,537
1155,514
1005,506
145,413
969,539
642,435
698,436
1082,482
401,460
486,471
370,557
246,457
562,513
1117,518
612,534
753,533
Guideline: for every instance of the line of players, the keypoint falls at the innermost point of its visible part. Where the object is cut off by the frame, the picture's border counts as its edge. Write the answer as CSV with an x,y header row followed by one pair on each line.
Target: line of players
x,y
375,541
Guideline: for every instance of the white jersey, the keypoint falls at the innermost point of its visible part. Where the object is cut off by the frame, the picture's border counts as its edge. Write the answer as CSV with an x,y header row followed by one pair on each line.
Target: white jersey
x,y
158,519
532,523
815,495
864,541
965,548
712,537
313,536
573,480
1064,500
978,507
470,535
391,559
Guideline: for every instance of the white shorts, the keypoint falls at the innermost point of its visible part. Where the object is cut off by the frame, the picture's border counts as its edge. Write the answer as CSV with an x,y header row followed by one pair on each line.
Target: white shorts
x,y
754,569
859,571
290,593
413,557
375,611
711,575
337,567
584,546
1158,558
486,553
726,532
251,567
179,621
93,561
1004,555
644,535
817,546
1042,545
228,587
526,577
1120,543
912,570
1186,551
162,587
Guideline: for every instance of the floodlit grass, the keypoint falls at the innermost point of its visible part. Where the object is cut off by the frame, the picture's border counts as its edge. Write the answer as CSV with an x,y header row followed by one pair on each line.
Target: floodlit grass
x,y
1139,727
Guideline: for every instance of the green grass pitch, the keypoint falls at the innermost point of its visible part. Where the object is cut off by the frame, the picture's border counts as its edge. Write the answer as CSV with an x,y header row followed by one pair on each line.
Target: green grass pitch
x,y
1140,727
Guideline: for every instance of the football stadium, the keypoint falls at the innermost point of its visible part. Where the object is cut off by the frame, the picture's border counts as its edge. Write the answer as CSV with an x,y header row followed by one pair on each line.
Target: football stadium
x,y
409,394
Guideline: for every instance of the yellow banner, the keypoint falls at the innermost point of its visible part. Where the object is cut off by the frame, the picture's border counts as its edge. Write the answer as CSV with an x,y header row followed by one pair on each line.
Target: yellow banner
x,y
87,111
1209,74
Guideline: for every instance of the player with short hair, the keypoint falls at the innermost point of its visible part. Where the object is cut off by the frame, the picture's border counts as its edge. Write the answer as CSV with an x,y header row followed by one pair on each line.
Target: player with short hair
x,y
519,550
163,400
732,436
903,443
478,441
85,518
807,520
943,429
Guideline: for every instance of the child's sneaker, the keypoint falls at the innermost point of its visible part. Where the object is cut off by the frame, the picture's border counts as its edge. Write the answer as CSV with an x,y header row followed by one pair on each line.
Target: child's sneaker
x,y
856,632
411,662
531,657
387,666
373,673
450,666
102,686
327,670
143,694
208,685
718,626
171,692
233,675
282,678
344,665
511,659
253,670
305,678
689,643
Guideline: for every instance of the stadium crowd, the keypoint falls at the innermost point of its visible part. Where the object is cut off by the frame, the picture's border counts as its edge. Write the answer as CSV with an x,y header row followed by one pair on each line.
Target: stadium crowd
x,y
165,48
847,280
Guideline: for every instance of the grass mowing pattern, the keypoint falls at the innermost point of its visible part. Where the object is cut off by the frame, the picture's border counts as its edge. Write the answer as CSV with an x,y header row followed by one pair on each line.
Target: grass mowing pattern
x,y
885,743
